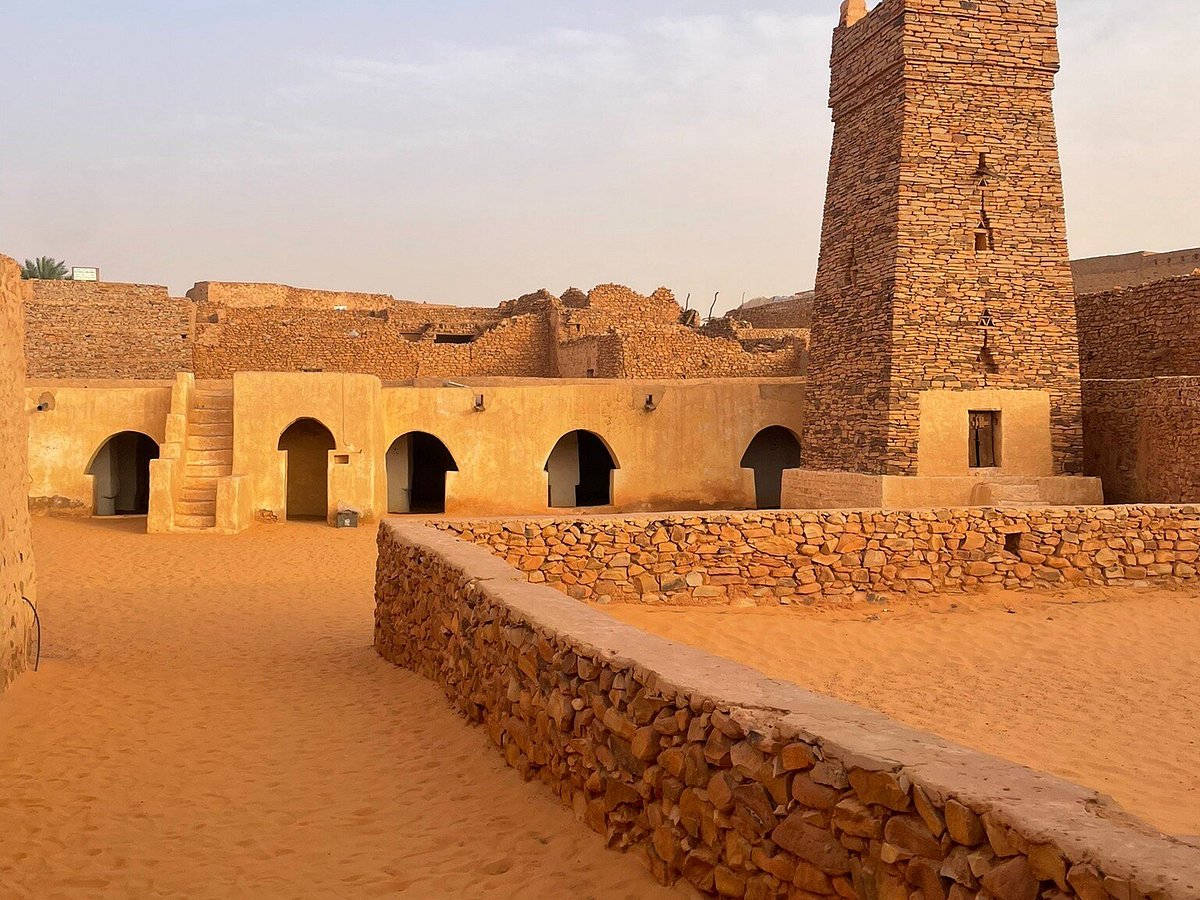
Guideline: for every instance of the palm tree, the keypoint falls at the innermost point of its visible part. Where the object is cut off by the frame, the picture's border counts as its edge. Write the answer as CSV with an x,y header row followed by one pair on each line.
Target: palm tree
x,y
45,268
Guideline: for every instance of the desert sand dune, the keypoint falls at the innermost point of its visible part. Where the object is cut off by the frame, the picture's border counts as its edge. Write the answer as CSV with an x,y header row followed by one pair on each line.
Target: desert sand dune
x,y
210,720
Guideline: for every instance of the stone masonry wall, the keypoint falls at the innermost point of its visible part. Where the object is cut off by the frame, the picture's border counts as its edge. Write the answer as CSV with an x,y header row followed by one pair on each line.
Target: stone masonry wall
x,y
80,330
1141,332
944,130
275,339
1142,436
743,786
16,548
98,330
1101,274
797,557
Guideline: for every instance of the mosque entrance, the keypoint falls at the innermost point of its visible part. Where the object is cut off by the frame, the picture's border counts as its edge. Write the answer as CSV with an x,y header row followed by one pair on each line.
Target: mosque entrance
x,y
120,473
772,450
307,443
579,471
417,464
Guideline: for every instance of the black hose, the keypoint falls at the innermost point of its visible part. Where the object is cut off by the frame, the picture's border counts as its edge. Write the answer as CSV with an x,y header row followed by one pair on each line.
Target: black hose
x,y
37,620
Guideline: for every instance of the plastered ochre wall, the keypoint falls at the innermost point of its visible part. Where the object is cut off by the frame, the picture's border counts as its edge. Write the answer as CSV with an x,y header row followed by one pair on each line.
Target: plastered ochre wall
x,y
685,453
16,549
64,439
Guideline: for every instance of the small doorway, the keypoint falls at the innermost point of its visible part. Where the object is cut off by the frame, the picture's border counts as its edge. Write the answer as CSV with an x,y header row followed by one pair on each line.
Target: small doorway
x,y
984,449
307,443
417,464
579,472
120,473
772,451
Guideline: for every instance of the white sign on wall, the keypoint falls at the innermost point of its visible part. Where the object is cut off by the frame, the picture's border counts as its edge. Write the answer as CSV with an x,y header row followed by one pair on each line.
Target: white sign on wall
x,y
85,273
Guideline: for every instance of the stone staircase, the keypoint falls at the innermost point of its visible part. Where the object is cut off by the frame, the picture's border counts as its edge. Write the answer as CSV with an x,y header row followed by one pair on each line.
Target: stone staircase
x,y
207,456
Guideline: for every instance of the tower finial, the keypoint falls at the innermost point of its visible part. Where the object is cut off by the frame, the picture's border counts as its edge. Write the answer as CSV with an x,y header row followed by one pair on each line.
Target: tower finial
x,y
853,10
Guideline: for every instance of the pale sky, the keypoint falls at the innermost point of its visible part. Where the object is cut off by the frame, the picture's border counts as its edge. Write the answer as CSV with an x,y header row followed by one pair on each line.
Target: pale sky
x,y
467,152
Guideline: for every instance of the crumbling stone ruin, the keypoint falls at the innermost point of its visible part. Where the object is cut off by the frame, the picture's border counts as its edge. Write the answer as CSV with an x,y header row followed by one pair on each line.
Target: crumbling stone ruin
x,y
90,330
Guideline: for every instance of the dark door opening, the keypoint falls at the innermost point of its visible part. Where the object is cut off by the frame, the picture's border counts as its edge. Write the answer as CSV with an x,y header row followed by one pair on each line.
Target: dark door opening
x,y
772,451
579,471
307,443
120,473
984,449
417,464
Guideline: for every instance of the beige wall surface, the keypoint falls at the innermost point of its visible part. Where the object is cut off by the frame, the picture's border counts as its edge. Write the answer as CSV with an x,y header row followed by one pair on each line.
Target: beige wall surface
x,y
684,454
16,547
64,439
1024,441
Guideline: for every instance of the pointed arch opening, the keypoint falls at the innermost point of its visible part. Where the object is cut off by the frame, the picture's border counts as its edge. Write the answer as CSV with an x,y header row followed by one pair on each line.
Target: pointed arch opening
x,y
772,451
307,443
120,472
579,471
417,464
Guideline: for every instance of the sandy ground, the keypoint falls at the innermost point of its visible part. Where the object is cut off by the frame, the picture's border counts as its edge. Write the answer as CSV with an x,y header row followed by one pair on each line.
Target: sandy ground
x,y
211,721
1102,689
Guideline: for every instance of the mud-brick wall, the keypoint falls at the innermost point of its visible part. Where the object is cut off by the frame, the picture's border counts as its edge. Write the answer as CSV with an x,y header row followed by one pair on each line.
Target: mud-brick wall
x,y
16,551
793,557
1141,437
743,786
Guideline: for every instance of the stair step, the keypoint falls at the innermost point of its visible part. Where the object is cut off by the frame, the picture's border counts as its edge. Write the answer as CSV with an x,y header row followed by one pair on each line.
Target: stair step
x,y
210,442
212,416
196,521
211,430
196,507
205,497
217,456
208,472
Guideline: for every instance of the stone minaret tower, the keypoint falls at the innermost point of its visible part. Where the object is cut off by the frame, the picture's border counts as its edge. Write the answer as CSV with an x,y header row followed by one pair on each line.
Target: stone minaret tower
x,y
944,215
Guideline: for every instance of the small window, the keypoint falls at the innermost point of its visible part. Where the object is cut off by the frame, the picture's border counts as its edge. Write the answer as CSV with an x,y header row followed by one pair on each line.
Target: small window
x,y
985,439
454,339
984,240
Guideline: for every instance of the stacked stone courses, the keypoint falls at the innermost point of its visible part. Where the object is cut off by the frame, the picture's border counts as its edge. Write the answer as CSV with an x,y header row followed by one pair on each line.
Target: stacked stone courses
x,y
1146,331
739,785
96,330
920,90
843,556
16,547
81,331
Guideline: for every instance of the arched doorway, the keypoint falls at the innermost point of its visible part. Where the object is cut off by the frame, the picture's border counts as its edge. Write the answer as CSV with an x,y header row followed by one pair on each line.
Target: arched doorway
x,y
579,471
417,464
772,450
120,473
307,443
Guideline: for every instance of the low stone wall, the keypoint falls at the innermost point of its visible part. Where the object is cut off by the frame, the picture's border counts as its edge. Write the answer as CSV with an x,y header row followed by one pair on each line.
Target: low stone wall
x,y
16,548
785,557
743,786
